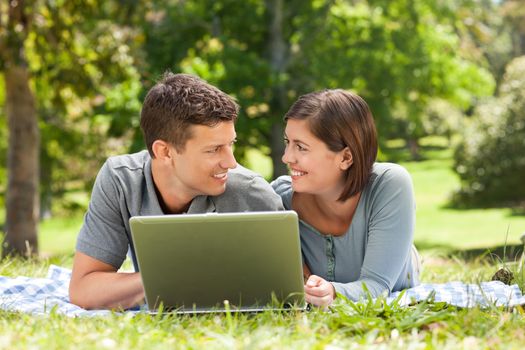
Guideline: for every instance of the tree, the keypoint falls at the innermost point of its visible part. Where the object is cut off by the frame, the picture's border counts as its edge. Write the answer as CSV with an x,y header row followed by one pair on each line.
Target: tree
x,y
278,49
490,31
75,56
239,46
397,54
22,190
514,12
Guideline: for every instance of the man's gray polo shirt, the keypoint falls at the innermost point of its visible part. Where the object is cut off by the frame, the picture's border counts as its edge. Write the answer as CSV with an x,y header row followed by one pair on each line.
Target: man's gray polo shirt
x,y
124,188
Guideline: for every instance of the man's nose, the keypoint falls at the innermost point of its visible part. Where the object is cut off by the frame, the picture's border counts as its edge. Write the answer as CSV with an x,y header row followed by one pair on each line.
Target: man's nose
x,y
228,162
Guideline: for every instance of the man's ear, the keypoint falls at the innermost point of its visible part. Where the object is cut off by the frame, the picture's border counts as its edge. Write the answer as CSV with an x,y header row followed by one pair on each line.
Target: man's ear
x,y
346,160
161,149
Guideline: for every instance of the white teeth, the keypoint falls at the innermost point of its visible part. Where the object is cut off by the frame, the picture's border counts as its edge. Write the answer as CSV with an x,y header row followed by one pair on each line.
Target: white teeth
x,y
297,173
220,176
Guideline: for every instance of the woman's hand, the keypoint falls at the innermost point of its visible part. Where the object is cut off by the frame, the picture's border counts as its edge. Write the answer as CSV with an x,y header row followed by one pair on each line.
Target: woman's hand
x,y
318,291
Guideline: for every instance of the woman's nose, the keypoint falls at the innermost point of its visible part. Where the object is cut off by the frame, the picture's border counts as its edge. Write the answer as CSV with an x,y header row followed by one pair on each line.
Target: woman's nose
x,y
287,157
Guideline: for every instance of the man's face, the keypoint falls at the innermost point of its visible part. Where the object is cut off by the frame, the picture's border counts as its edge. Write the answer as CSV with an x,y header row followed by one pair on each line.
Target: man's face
x,y
202,167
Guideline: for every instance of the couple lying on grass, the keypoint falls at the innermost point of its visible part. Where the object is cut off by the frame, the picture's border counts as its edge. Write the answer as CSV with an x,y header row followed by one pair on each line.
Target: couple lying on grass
x,y
356,216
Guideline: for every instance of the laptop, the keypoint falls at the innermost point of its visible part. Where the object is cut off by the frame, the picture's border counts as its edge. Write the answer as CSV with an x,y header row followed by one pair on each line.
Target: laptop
x,y
216,262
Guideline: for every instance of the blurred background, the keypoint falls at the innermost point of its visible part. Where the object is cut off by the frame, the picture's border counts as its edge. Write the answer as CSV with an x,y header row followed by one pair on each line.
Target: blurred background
x,y
445,81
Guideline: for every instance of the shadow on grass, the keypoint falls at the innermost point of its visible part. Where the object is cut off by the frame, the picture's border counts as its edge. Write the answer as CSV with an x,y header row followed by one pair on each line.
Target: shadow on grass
x,y
497,254
519,211
442,248
516,210
502,253
401,154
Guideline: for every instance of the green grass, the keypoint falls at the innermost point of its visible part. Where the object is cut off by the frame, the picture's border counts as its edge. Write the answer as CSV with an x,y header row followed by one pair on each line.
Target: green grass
x,y
438,225
58,235
427,325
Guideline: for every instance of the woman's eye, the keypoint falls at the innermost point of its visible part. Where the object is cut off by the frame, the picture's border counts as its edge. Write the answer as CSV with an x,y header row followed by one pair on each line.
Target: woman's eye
x,y
301,148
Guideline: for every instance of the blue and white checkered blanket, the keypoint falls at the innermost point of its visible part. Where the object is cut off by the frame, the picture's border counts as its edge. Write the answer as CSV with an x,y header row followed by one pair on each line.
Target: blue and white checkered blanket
x,y
484,294
42,295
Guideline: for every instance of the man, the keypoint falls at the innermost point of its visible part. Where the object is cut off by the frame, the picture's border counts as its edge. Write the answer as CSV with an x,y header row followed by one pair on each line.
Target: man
x,y
188,127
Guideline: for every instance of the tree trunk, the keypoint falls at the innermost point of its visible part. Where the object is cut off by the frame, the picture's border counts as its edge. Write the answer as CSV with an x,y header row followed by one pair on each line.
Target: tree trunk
x,y
22,204
22,189
278,49
413,147
45,181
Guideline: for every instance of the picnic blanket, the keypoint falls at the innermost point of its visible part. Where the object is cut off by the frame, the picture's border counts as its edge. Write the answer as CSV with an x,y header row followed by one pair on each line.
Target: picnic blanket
x,y
42,295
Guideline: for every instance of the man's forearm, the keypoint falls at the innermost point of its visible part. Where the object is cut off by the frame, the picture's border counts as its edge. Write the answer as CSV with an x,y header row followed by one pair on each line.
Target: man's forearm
x,y
107,290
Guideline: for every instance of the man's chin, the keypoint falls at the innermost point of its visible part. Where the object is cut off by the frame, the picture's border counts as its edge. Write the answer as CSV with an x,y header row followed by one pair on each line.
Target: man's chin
x,y
217,191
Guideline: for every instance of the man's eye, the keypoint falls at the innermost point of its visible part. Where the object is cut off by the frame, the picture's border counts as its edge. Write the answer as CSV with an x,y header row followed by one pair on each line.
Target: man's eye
x,y
213,150
286,141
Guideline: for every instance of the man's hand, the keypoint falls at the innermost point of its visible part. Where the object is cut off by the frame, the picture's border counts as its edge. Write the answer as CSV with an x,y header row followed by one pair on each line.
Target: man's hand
x,y
318,291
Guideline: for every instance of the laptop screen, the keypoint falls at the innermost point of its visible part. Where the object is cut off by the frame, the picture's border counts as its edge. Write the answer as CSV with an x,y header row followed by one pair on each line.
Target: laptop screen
x,y
195,262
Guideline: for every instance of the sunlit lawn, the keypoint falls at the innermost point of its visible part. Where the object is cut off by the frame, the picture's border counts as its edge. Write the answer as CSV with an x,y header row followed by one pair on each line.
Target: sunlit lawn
x,y
426,325
58,235
437,224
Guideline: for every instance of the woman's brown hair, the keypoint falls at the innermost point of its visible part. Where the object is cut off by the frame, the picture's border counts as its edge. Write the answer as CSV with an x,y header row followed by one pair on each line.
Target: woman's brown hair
x,y
341,119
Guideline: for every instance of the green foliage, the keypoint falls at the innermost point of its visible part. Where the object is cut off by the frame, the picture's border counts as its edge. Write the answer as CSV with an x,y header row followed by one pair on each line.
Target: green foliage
x,y
223,42
241,73
397,59
491,158
87,88
93,61
441,118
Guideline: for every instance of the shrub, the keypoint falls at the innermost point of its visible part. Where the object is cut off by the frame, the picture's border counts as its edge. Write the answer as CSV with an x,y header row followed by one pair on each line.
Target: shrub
x,y
490,160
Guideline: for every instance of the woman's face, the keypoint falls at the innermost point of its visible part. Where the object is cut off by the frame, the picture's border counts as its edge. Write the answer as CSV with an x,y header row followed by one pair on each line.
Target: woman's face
x,y
314,168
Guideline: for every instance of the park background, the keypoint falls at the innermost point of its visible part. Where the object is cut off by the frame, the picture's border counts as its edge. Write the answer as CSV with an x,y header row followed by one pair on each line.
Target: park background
x,y
445,81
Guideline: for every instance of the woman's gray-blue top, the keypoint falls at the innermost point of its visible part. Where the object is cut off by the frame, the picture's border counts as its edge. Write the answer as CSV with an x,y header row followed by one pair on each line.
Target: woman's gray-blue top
x,y
377,248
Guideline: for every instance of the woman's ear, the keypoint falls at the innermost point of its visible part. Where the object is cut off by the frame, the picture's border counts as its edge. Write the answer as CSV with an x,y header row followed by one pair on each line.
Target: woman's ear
x,y
161,149
346,160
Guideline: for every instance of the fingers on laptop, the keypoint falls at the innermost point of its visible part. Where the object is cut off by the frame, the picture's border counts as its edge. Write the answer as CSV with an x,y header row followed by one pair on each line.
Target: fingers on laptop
x,y
318,291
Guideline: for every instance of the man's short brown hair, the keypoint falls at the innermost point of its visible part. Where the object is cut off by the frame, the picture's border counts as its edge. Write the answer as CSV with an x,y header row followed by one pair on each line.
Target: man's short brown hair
x,y
341,119
178,101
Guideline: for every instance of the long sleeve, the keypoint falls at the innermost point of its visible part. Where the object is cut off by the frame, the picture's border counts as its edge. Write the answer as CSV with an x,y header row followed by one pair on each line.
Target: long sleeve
x,y
391,223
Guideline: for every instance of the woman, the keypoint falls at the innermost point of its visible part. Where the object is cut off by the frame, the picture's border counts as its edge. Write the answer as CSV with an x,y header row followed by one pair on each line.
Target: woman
x,y
357,216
